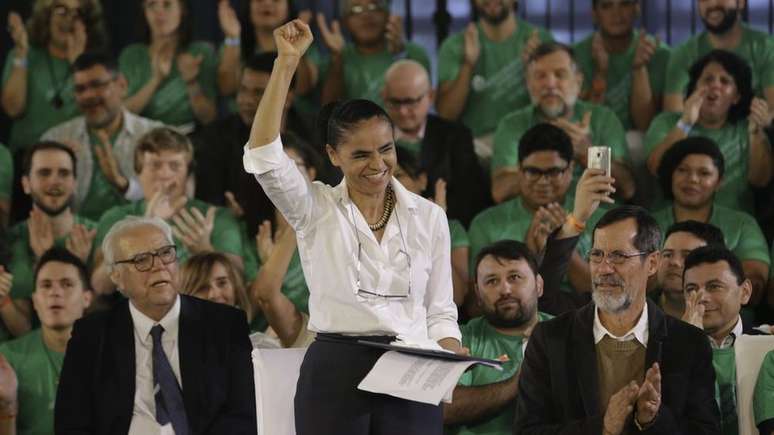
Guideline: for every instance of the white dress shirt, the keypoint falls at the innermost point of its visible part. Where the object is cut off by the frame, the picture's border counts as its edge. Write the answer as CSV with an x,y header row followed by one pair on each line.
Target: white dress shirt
x,y
729,339
144,413
328,226
638,332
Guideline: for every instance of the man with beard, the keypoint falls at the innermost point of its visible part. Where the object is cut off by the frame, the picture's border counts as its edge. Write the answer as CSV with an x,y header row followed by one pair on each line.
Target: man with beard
x,y
720,106
715,290
622,68
680,239
30,365
546,167
726,31
357,70
48,177
103,137
618,365
554,82
480,70
691,173
508,286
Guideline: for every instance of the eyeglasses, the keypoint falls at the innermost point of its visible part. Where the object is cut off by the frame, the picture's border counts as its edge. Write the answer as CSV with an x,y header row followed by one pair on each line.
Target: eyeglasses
x,y
534,174
403,257
97,85
143,262
64,11
370,7
397,103
597,256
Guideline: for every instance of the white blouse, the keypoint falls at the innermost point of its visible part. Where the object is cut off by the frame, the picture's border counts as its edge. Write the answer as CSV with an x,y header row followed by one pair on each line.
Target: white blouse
x,y
329,228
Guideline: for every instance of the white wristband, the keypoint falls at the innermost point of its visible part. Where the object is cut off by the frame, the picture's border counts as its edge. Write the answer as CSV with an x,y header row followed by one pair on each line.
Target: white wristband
x,y
20,62
685,127
232,42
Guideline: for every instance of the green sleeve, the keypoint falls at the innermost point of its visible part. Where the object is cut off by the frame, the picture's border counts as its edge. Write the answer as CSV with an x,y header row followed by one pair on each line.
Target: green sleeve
x,y
418,53
477,235
585,63
506,142
763,397
6,172
134,65
226,235
676,79
657,69
544,34
467,377
659,128
21,262
752,243
608,131
459,237
208,68
8,67
450,58
767,67
250,255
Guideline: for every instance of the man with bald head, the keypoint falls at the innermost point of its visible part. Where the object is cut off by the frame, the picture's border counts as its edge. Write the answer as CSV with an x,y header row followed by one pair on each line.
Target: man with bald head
x,y
444,148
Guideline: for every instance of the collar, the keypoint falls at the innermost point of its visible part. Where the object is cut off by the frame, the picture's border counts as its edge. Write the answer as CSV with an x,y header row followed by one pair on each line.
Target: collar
x,y
130,122
730,339
404,198
639,332
401,135
143,323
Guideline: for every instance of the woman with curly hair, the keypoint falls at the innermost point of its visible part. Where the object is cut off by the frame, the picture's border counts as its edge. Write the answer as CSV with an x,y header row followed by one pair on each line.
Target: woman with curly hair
x,y
171,78
58,32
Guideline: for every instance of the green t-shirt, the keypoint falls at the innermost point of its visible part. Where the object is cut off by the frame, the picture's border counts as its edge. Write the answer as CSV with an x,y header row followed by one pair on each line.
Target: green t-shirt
x,y
170,103
606,130
498,83
226,236
23,259
45,76
763,398
37,370
293,285
459,237
619,74
102,194
6,173
733,141
740,230
757,48
484,341
364,74
724,362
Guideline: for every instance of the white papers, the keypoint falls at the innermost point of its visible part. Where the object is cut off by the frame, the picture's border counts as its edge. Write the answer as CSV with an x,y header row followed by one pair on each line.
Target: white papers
x,y
417,378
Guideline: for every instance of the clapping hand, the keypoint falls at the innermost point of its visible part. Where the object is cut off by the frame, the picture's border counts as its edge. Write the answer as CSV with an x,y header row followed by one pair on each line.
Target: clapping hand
x,y
18,34
80,240
619,408
599,53
646,48
545,221
9,386
532,43
649,396
332,36
394,35
579,132
161,204
108,163
6,281
293,39
76,41
41,231
759,117
194,229
692,105
189,66
229,23
471,45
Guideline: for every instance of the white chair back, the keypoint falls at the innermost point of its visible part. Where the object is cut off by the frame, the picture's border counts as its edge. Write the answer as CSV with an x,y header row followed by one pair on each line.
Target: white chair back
x,y
276,373
749,351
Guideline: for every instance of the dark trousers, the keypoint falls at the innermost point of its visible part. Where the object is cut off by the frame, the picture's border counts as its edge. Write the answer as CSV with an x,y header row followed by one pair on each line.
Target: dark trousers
x,y
328,402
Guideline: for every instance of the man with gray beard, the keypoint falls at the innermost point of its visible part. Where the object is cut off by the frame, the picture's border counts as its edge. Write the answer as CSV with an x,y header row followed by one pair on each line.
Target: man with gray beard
x,y
618,365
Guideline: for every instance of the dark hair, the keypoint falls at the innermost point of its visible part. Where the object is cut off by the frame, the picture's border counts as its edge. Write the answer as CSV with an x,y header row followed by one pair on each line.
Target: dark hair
x,y
648,237
47,145
594,3
737,68
409,162
247,35
264,63
309,155
506,250
545,137
546,48
91,59
335,120
90,13
681,149
184,30
62,255
714,254
708,233
474,12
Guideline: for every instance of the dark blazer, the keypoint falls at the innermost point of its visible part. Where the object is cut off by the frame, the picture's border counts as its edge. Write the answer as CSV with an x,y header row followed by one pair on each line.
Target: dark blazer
x,y
447,152
553,268
97,384
559,391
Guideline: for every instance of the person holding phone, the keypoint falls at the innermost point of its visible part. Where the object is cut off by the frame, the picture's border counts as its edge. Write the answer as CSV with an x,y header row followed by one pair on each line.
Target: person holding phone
x,y
376,257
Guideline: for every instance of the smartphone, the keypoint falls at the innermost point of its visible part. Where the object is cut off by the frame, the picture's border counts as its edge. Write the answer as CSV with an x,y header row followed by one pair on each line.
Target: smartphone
x,y
599,158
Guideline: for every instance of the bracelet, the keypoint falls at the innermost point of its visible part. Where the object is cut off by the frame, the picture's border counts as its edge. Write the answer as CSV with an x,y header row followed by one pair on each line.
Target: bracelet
x,y
232,42
578,225
7,417
5,301
684,127
20,62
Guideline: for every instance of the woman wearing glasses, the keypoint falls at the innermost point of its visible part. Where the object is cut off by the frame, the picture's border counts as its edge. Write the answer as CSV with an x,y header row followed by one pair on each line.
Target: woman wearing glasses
x,y
376,257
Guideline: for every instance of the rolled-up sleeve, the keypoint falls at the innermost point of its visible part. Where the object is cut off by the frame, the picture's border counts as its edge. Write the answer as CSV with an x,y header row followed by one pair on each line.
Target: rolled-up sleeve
x,y
439,301
283,183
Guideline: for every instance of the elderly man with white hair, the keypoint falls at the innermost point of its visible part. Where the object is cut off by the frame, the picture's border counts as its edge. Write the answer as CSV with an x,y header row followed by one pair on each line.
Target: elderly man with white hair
x,y
158,360
443,148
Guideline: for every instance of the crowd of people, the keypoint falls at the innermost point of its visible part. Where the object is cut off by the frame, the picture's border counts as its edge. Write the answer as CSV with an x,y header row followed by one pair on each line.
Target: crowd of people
x,y
257,172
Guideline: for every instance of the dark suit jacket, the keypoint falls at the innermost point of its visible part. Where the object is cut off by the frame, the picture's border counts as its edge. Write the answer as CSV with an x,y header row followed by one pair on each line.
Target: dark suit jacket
x,y
553,268
558,386
97,384
447,152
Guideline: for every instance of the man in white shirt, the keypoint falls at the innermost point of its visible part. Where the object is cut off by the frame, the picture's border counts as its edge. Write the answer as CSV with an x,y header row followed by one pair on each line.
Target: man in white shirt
x,y
610,357
158,362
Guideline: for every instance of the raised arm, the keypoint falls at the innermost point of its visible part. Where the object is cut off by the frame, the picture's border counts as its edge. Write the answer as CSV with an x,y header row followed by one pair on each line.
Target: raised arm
x,y
292,40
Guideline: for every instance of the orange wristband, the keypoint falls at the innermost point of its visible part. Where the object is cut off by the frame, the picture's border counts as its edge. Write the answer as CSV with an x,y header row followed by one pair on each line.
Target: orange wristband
x,y
7,417
576,223
5,301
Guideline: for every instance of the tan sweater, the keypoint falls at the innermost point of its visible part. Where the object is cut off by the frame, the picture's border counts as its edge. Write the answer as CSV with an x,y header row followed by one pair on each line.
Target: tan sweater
x,y
618,363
